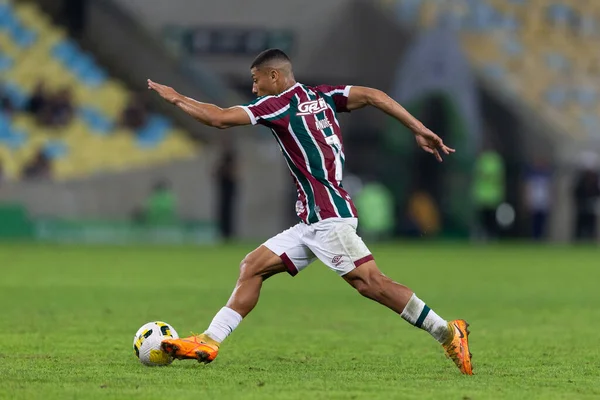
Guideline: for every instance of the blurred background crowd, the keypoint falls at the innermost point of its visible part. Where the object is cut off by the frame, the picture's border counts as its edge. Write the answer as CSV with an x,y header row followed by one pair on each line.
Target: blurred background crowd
x,y
88,154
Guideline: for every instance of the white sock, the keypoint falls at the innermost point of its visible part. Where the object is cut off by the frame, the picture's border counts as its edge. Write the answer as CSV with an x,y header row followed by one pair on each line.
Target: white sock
x,y
418,314
223,324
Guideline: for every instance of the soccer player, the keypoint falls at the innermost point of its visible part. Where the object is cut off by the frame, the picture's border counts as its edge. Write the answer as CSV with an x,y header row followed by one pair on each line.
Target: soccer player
x,y
304,121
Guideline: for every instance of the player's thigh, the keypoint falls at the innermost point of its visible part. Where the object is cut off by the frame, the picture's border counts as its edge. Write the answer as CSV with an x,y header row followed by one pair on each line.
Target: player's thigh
x,y
289,246
336,243
261,262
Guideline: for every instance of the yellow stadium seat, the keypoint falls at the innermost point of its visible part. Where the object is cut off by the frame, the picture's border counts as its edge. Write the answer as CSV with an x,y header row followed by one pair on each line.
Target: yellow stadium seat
x,y
12,169
24,121
8,47
30,15
51,38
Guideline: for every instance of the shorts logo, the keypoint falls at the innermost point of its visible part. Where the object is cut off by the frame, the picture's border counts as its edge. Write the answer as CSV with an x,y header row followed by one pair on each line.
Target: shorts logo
x,y
337,260
311,107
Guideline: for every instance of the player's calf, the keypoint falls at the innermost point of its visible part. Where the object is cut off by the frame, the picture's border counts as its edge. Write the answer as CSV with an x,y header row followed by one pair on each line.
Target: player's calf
x,y
371,283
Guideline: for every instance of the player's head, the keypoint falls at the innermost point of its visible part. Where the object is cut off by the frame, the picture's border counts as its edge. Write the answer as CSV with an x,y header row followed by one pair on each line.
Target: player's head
x,y
271,73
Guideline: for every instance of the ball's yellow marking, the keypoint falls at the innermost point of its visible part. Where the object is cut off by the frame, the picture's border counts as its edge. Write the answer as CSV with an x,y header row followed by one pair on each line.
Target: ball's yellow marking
x,y
159,357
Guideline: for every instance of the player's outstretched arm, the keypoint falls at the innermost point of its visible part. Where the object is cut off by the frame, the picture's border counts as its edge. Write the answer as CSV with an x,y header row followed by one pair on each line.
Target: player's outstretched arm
x,y
208,114
360,97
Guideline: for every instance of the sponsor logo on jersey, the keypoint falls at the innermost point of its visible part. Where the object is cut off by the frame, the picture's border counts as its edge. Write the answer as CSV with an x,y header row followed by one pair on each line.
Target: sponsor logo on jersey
x,y
312,107
323,124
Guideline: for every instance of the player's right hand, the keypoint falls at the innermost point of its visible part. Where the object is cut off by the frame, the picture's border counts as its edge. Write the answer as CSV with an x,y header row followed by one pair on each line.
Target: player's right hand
x,y
166,92
433,144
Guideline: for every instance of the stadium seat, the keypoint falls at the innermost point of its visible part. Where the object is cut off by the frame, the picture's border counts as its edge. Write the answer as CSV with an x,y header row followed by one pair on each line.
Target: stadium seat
x,y
6,62
55,149
96,121
153,132
15,94
408,11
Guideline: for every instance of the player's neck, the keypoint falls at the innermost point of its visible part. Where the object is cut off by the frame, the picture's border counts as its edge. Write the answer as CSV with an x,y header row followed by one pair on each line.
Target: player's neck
x,y
287,84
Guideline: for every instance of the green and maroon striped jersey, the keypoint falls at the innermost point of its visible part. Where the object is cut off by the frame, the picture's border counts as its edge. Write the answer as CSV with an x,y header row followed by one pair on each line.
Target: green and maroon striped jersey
x,y
304,121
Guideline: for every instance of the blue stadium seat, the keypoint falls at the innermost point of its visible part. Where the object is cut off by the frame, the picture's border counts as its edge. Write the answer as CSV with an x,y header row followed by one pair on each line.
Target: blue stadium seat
x,y
494,71
16,95
80,63
4,10
482,17
65,51
588,26
94,76
512,46
11,138
8,20
591,125
23,37
154,132
5,62
560,13
509,22
556,96
451,20
5,124
586,95
407,11
557,62
55,149
98,122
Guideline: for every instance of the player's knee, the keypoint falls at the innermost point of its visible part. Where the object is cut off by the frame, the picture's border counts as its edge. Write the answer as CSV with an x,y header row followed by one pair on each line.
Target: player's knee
x,y
372,285
246,267
249,267
362,287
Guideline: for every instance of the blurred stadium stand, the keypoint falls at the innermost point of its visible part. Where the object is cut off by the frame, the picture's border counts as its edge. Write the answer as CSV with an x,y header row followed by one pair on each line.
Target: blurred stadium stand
x,y
541,51
32,50
115,167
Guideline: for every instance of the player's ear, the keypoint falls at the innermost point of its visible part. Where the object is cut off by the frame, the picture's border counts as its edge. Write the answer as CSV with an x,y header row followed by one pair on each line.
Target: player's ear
x,y
274,74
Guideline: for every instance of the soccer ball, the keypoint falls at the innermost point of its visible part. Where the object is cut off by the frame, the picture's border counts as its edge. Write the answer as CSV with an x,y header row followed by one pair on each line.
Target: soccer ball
x,y
146,343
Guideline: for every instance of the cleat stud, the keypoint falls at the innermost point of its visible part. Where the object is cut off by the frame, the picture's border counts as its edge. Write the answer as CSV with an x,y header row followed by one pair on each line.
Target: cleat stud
x,y
202,357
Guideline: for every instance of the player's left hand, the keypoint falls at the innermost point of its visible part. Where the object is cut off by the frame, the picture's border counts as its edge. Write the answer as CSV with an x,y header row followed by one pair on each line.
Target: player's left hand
x,y
166,92
433,144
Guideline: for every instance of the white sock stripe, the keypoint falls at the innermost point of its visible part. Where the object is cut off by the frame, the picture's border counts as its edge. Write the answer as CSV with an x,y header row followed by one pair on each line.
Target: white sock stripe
x,y
432,323
413,309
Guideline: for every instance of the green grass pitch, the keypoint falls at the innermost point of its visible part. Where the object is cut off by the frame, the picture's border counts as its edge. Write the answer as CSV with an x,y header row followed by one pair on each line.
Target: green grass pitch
x,y
69,314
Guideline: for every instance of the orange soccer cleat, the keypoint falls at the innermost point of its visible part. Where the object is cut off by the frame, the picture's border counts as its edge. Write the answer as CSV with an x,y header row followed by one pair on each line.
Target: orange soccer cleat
x,y
198,347
457,346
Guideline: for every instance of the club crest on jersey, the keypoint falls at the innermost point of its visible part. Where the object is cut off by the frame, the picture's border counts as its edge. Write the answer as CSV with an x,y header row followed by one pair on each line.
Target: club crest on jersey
x,y
311,107
299,207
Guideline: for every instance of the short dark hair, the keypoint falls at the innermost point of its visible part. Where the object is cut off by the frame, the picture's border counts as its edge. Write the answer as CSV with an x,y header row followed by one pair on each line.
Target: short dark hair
x,y
269,55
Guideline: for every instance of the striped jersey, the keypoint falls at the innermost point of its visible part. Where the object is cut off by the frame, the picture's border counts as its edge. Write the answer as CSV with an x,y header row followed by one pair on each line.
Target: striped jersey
x,y
304,121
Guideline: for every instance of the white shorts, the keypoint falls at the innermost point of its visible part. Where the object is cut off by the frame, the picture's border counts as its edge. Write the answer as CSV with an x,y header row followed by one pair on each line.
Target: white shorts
x,y
334,241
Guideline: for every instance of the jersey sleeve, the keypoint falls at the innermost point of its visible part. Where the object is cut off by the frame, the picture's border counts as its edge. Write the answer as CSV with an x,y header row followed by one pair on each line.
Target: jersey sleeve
x,y
339,95
266,109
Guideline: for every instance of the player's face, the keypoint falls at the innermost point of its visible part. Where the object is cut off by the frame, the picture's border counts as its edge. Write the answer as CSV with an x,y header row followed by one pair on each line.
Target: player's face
x,y
263,82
